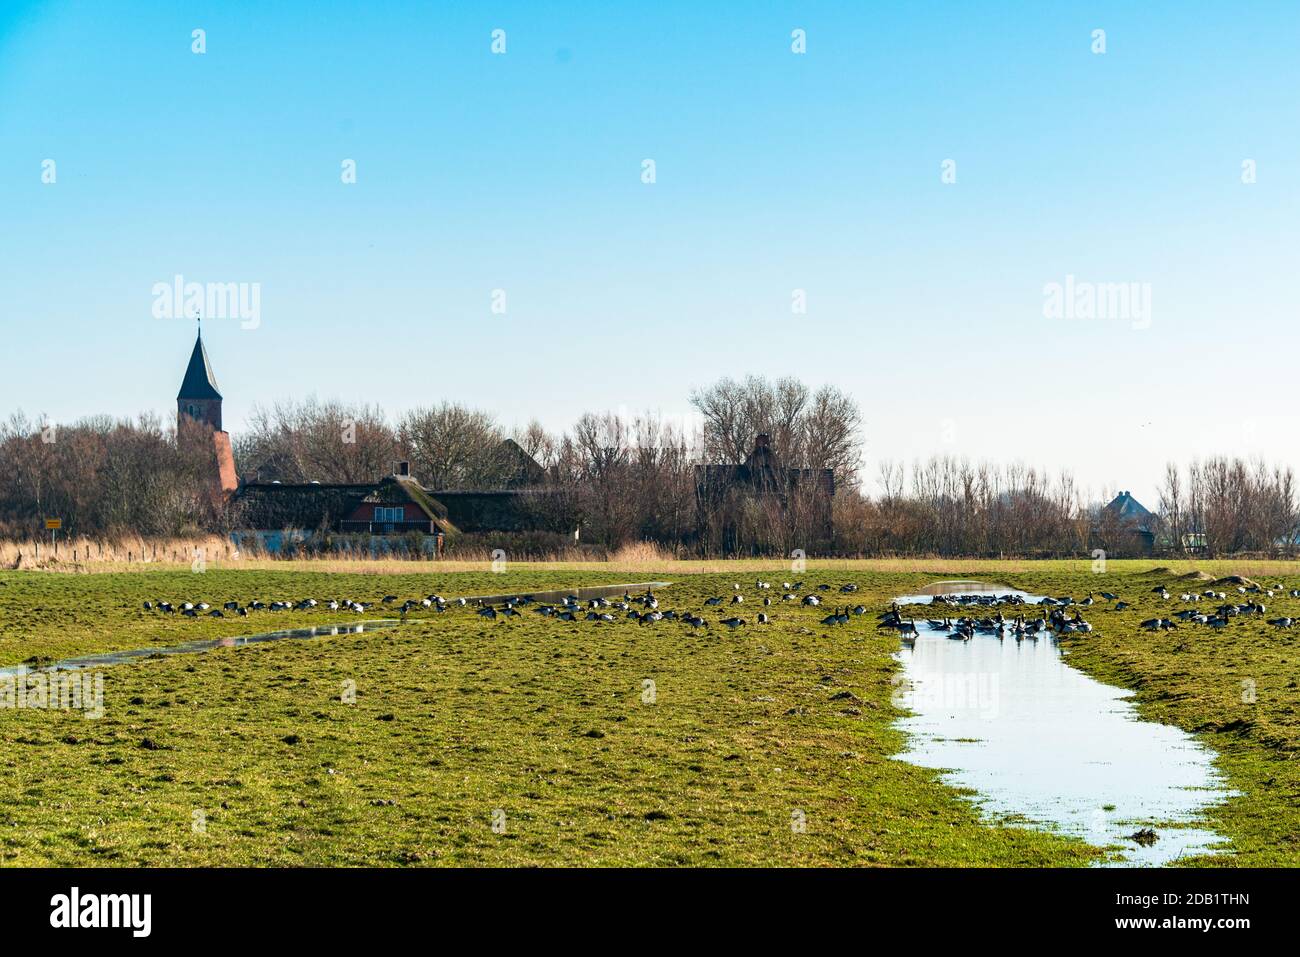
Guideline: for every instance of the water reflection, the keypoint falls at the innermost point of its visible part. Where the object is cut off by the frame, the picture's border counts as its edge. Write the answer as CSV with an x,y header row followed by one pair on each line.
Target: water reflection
x,y
1040,740
201,645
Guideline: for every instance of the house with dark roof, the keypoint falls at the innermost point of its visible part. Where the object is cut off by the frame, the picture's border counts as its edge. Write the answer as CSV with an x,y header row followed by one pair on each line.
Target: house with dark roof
x,y
1125,527
522,470
735,499
277,514
1126,509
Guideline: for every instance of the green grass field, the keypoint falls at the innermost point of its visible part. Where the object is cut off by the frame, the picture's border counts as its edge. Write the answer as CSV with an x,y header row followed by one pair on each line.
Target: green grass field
x,y
252,757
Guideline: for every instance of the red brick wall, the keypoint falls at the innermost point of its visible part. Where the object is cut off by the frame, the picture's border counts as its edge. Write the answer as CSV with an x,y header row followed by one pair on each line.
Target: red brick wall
x,y
226,477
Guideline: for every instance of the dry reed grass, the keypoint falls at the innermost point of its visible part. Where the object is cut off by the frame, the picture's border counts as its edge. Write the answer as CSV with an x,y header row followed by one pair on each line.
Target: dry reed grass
x,y
641,554
86,554
135,554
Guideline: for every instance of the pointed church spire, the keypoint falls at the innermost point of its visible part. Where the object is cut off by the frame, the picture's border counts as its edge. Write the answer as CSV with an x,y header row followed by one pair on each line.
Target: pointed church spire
x,y
199,398
199,381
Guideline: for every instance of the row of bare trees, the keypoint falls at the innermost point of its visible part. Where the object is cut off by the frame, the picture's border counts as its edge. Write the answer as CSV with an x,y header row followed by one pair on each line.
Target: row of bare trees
x,y
952,507
1224,506
449,446
949,506
100,476
620,479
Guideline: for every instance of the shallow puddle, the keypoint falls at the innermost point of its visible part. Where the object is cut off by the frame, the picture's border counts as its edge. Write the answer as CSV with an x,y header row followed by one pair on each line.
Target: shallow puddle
x,y
200,645
1044,743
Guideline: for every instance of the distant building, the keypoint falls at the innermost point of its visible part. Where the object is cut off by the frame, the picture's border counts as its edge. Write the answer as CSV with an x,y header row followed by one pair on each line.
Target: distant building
x,y
1126,527
278,514
756,502
522,470
1125,508
199,401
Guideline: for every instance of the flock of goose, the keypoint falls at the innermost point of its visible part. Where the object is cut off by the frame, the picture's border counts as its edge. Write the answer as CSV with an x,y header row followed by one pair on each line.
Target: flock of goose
x,y
957,621
195,609
602,609
966,627
569,608
1058,621
1223,613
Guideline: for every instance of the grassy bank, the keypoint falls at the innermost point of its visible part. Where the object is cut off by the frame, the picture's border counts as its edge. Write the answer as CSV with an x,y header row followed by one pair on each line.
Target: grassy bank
x,y
252,756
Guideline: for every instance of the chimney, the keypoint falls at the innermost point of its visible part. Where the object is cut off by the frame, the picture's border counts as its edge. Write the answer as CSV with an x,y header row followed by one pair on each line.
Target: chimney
x,y
403,469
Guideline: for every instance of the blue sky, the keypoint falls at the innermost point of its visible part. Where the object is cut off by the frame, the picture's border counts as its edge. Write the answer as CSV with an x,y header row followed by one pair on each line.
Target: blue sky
x,y
775,172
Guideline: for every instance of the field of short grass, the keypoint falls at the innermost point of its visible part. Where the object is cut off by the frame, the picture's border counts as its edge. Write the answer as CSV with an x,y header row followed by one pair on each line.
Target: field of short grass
x,y
546,729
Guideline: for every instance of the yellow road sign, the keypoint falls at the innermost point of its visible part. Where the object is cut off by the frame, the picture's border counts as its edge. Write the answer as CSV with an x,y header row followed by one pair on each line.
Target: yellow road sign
x,y
54,523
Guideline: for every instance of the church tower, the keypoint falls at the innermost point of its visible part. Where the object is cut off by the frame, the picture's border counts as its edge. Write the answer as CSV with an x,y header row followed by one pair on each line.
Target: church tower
x,y
200,401
199,398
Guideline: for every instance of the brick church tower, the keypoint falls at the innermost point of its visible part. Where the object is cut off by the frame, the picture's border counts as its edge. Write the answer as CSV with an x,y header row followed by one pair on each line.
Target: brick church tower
x,y
200,401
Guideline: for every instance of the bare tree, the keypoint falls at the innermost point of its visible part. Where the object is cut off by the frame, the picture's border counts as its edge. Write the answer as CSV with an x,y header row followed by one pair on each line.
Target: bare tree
x,y
454,447
806,429
317,441
1172,508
